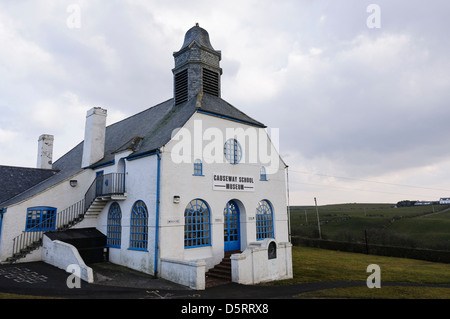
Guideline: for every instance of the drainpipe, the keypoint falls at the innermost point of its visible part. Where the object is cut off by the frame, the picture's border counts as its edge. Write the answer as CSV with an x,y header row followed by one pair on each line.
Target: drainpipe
x,y
157,211
288,204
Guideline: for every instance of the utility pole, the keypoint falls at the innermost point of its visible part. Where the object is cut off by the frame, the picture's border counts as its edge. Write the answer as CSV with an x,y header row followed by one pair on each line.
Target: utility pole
x,y
318,221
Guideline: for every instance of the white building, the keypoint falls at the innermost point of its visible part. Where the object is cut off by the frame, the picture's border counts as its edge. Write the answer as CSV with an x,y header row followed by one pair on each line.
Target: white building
x,y
174,190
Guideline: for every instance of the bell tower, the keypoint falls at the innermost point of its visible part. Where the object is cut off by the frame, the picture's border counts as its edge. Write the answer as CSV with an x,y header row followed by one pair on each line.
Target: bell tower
x,y
197,67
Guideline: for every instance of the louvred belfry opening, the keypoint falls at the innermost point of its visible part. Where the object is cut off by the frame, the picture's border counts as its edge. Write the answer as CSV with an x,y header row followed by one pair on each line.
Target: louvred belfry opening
x,y
211,82
197,67
181,87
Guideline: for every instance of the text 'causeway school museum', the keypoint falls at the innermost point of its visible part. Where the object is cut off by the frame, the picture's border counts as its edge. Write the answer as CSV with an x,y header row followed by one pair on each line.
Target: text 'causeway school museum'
x,y
186,190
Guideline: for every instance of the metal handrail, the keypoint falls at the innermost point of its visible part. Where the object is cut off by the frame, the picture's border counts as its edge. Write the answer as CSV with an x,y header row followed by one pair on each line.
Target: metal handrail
x,y
103,185
32,237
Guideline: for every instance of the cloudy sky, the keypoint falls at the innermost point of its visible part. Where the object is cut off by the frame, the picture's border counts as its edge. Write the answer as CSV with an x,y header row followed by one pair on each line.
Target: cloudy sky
x,y
360,93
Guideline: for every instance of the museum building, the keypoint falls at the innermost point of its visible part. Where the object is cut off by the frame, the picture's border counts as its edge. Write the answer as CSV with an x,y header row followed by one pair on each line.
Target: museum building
x,y
189,190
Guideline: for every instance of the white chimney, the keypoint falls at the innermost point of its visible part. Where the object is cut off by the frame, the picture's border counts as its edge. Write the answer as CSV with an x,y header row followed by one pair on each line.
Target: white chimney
x,y
94,136
45,151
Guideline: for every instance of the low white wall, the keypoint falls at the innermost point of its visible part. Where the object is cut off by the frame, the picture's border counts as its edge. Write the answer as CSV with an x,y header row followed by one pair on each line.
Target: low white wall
x,y
186,273
61,255
253,266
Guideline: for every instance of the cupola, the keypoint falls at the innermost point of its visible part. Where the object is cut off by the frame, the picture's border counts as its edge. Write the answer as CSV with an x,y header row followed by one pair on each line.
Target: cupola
x,y
197,67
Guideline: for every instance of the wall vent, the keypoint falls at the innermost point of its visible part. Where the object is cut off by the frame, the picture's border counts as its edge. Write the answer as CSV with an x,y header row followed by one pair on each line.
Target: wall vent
x,y
211,82
181,87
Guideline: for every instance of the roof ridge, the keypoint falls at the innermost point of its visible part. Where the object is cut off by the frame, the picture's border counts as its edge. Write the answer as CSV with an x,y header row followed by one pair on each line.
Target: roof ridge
x,y
31,168
143,111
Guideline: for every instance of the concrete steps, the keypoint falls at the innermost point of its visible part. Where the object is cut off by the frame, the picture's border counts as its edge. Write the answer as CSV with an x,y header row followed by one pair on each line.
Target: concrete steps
x,y
221,273
96,208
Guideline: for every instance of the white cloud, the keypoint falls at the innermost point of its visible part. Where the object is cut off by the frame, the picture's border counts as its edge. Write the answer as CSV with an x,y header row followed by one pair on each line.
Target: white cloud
x,y
349,101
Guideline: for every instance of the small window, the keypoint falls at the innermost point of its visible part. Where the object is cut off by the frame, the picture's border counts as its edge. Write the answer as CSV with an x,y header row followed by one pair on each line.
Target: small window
x,y
262,174
40,219
114,228
139,226
232,151
198,168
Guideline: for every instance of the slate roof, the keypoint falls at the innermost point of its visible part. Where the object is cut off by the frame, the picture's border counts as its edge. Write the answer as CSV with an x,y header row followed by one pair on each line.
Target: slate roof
x,y
142,133
15,180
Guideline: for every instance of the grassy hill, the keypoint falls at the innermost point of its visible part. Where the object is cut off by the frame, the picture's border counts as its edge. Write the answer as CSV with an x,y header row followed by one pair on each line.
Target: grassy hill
x,y
412,227
422,280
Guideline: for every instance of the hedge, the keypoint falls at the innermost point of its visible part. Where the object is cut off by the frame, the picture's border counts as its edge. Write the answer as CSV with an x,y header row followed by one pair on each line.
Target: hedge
x,y
390,251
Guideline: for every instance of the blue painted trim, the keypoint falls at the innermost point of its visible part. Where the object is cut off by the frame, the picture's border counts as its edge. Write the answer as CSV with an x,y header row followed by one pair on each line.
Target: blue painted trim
x,y
144,154
230,118
102,165
1,224
194,220
158,186
157,211
139,213
44,225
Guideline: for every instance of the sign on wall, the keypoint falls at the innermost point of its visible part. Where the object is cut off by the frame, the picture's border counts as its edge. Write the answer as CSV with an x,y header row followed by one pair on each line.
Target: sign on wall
x,y
237,183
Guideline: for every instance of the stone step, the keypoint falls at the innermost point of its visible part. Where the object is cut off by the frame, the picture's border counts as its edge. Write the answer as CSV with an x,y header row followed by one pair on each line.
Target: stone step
x,y
221,273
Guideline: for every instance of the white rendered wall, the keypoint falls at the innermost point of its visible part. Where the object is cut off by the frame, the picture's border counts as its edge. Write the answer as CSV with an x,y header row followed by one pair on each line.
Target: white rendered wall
x,y
253,266
45,151
60,196
140,181
178,180
61,255
94,136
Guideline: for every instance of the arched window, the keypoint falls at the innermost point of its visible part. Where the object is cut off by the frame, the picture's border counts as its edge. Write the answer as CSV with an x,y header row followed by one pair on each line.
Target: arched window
x,y
232,151
198,167
139,226
262,174
264,220
114,227
197,226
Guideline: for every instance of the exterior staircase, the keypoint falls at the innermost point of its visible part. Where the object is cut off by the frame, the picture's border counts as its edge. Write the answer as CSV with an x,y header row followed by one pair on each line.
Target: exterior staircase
x,y
103,189
221,273
95,208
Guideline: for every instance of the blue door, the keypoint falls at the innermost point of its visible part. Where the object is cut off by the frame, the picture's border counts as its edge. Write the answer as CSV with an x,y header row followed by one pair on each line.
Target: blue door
x,y
231,227
99,184
1,219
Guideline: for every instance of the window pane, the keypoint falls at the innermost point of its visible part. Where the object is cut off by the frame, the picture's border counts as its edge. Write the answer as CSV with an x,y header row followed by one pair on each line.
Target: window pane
x,y
196,218
139,226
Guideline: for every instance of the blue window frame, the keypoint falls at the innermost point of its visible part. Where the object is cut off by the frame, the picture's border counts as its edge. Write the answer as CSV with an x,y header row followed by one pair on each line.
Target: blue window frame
x,y
40,219
197,226
114,226
262,174
232,151
264,220
198,168
139,226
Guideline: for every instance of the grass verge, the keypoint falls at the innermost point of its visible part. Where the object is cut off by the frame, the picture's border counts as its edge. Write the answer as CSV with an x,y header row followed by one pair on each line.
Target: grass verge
x,y
319,265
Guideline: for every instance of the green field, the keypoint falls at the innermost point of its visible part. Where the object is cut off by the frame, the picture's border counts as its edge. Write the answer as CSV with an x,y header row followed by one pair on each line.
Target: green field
x,y
412,227
399,276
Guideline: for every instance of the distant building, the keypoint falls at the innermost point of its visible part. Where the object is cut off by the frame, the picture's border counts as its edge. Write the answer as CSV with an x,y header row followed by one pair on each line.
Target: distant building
x,y
443,201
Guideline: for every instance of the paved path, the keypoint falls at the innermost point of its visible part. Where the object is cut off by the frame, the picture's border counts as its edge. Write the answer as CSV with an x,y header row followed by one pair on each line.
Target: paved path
x,y
115,282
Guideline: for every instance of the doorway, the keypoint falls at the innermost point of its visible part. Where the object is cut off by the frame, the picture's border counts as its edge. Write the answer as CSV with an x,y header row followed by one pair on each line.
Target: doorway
x,y
231,227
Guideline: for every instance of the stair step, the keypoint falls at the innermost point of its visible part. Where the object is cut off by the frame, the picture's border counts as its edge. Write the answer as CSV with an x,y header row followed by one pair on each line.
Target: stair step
x,y
221,273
